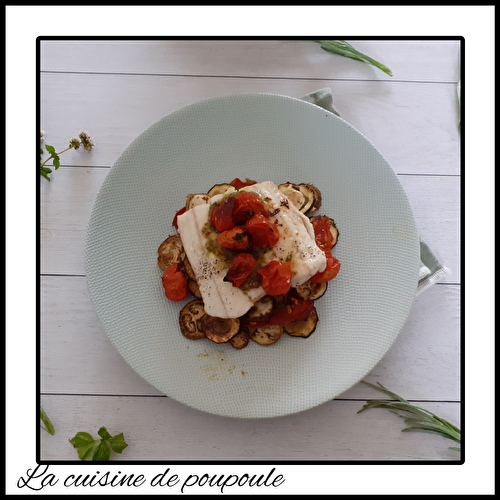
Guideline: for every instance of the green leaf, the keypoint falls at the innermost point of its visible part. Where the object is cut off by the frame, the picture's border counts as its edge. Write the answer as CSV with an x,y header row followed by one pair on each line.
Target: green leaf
x,y
56,161
85,452
46,421
118,443
103,432
86,445
342,48
102,452
50,149
81,439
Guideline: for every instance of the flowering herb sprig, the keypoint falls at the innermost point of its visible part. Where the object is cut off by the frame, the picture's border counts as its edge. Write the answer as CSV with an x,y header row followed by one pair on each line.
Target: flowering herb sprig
x,y
83,140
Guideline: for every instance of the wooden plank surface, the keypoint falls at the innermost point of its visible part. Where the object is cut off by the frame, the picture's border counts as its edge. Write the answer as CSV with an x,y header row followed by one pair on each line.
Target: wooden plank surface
x,y
66,204
115,90
78,358
158,428
414,125
411,60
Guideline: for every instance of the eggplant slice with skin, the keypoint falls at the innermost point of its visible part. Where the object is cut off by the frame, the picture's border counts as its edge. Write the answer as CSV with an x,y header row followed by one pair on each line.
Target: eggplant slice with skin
x,y
219,189
266,335
306,197
241,339
293,193
194,288
302,328
190,320
193,200
171,252
220,330
261,310
317,198
311,291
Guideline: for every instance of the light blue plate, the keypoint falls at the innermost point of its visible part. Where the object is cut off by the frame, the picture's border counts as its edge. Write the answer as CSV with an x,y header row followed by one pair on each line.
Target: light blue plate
x,y
262,137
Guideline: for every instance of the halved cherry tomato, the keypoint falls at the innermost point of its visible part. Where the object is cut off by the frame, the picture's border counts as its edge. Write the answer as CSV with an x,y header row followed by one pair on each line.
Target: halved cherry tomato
x,y
298,310
332,269
322,233
175,283
234,239
237,184
240,269
245,205
275,277
179,212
221,216
264,233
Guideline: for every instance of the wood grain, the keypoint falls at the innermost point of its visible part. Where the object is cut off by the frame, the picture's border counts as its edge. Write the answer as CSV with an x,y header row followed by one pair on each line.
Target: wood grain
x,y
158,428
117,89
417,60
414,125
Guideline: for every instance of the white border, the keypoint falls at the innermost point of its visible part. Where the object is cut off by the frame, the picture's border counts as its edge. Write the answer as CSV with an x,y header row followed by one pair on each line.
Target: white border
x,y
476,24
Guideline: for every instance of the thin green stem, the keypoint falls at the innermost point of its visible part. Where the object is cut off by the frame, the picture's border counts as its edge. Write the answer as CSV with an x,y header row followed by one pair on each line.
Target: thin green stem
x,y
63,151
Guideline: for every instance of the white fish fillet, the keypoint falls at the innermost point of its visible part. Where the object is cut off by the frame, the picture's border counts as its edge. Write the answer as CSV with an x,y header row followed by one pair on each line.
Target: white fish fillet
x,y
296,242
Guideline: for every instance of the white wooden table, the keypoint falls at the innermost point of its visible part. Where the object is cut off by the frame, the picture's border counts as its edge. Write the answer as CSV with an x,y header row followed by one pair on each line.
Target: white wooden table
x,y
117,89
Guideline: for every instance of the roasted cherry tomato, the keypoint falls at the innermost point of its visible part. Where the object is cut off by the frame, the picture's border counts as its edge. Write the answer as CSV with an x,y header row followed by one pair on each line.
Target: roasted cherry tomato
x,y
264,233
221,216
237,184
275,277
245,205
234,239
179,212
322,234
175,283
298,310
332,269
240,269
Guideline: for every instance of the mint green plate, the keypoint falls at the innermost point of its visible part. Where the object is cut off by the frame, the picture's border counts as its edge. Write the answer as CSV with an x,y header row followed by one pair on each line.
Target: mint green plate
x,y
262,137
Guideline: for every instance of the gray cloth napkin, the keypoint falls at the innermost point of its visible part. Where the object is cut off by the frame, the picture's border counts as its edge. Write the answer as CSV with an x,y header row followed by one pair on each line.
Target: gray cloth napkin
x,y
431,269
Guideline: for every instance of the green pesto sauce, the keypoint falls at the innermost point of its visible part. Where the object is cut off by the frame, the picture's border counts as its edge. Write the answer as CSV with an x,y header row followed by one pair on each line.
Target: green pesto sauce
x,y
224,255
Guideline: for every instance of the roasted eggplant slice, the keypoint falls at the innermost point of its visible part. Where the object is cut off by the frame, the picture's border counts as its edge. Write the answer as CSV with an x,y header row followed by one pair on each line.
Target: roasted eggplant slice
x,y
220,330
333,228
311,291
194,288
261,310
194,200
241,339
187,268
302,328
219,189
281,301
171,252
317,198
266,335
190,320
301,195
293,193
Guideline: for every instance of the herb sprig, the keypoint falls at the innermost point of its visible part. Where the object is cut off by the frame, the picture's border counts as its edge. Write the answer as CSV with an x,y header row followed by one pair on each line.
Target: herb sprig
x,y
342,48
420,420
98,449
47,424
83,140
